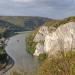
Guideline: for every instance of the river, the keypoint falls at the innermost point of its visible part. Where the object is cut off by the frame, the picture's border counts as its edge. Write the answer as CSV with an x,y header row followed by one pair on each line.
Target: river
x,y
16,48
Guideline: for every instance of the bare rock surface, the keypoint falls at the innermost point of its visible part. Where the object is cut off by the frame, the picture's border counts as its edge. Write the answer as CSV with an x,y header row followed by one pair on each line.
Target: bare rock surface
x,y
63,38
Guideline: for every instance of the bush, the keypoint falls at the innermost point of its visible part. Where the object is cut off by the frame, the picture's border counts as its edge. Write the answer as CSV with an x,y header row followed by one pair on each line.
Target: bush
x,y
60,65
18,73
2,50
30,44
42,57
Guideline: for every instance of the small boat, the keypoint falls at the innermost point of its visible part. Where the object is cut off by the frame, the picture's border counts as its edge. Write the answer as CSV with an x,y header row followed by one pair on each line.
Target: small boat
x,y
18,40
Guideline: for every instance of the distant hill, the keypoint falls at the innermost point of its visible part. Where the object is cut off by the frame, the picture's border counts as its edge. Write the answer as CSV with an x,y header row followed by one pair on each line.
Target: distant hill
x,y
8,29
28,23
57,23
10,26
25,22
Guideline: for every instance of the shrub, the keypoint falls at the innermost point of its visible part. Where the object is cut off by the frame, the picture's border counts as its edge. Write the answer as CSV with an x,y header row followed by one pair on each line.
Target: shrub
x,y
18,73
42,57
60,65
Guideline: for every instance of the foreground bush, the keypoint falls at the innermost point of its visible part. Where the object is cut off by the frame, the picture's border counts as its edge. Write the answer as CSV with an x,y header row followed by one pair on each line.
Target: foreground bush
x,y
42,57
18,72
63,64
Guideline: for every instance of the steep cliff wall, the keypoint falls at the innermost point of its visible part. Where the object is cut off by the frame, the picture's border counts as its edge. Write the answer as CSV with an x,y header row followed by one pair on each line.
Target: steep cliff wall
x,y
63,38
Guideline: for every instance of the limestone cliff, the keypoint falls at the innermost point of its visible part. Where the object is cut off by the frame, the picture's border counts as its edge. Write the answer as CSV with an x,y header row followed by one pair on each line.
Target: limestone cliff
x,y
62,38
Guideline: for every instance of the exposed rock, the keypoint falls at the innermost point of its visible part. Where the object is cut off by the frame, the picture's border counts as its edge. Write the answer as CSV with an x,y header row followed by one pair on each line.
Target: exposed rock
x,y
50,43
39,49
40,36
63,38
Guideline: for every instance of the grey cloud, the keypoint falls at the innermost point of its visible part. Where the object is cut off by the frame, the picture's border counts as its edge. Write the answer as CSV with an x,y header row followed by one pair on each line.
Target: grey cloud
x,y
44,8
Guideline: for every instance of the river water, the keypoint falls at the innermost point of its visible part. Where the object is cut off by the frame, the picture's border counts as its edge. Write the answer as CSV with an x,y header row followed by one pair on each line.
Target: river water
x,y
16,48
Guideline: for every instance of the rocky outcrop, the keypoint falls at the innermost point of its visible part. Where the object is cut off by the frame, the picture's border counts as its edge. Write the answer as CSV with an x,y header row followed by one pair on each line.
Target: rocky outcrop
x,y
40,36
63,38
39,49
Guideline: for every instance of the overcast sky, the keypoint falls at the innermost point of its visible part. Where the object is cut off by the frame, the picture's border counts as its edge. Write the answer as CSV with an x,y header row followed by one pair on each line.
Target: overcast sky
x,y
45,8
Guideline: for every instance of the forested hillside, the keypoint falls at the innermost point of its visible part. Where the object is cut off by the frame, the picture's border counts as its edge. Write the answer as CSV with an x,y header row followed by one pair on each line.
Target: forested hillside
x,y
26,22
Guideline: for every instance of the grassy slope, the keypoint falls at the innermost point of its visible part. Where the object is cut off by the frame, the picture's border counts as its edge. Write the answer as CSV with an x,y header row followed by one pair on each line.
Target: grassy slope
x,y
8,25
63,64
18,20
57,23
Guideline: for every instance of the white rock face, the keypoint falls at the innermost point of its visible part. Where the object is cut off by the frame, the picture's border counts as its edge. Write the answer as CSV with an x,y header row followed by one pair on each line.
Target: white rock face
x,y
50,42
61,39
39,49
40,36
67,35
